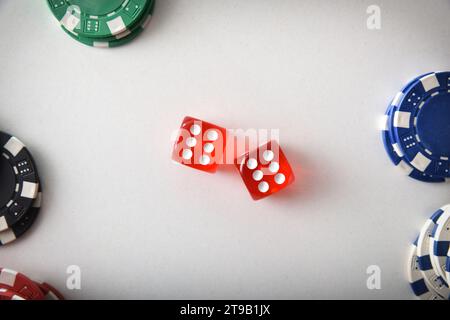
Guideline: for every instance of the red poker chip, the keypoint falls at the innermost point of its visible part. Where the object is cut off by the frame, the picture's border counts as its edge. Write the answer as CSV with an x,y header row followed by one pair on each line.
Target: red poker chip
x,y
6,294
20,284
50,292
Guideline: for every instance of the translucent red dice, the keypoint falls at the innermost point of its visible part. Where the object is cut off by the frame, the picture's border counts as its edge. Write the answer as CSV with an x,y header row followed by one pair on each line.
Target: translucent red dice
x,y
265,171
200,145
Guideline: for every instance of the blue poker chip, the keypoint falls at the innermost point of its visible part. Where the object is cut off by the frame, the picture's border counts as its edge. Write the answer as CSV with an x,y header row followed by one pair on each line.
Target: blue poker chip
x,y
419,285
447,266
440,242
421,125
391,145
432,278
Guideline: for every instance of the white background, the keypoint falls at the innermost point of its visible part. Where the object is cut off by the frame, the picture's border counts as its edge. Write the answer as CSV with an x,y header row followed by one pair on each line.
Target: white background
x,y
99,121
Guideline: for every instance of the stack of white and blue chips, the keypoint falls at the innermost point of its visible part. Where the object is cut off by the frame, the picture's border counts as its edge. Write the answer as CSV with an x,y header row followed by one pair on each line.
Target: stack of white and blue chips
x,y
429,258
416,128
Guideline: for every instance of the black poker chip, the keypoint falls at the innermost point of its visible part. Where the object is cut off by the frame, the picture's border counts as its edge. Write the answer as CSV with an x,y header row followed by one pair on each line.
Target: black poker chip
x,y
19,185
23,225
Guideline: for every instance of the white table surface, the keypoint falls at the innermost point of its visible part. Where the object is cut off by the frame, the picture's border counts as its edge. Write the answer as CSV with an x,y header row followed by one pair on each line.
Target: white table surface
x,y
99,121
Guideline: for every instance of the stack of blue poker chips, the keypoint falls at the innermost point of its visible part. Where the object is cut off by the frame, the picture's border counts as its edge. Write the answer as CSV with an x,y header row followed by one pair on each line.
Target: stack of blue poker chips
x,y
429,258
416,128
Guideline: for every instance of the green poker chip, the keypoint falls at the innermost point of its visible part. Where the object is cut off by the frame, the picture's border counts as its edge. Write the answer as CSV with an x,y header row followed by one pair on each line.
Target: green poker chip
x,y
98,19
121,35
120,39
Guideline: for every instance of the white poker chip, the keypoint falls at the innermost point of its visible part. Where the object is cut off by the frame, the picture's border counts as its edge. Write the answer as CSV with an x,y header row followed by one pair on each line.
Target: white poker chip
x,y
416,279
433,279
439,242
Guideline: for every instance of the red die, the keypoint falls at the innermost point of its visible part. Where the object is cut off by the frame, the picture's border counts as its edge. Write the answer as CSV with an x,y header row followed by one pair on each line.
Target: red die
x,y
200,145
265,170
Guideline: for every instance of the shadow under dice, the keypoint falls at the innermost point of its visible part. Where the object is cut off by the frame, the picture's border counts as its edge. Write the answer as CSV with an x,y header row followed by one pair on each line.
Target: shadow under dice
x,y
265,171
200,145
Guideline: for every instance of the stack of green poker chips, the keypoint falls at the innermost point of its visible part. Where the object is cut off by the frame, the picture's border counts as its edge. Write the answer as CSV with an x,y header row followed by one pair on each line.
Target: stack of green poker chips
x,y
103,23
